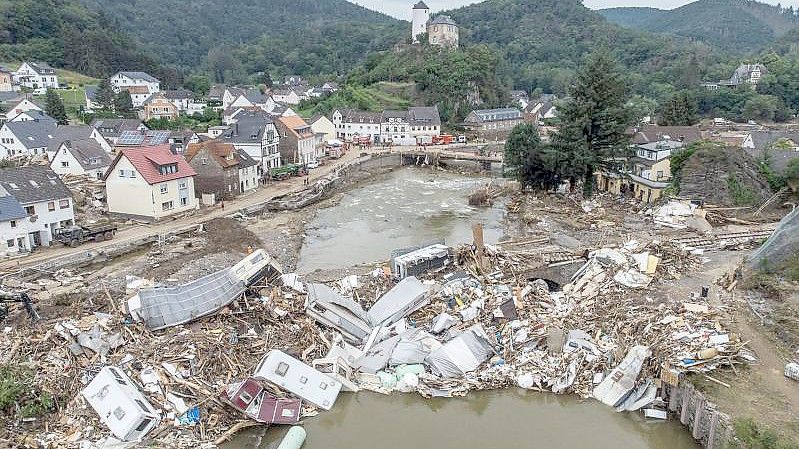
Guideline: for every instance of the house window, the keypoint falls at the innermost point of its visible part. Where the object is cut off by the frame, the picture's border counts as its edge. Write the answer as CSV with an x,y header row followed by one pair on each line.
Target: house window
x,y
282,369
13,223
168,205
10,243
63,204
660,174
182,184
204,161
51,206
30,210
64,164
164,188
184,201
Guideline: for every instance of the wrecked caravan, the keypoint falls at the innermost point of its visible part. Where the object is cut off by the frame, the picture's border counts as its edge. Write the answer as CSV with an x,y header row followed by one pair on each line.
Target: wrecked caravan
x,y
250,398
462,354
615,388
330,308
163,307
408,296
418,261
298,378
121,406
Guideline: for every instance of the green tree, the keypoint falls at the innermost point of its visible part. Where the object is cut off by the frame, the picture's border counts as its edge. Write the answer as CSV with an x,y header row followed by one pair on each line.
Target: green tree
x,y
523,139
765,107
679,110
54,107
105,95
199,84
123,104
593,122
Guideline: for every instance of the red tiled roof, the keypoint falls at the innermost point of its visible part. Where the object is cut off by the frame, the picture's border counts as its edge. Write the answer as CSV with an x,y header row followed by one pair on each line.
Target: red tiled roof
x,y
148,159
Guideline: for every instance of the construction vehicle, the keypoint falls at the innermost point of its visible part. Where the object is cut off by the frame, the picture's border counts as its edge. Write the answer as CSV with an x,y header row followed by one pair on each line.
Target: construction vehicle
x,y
8,297
76,235
284,172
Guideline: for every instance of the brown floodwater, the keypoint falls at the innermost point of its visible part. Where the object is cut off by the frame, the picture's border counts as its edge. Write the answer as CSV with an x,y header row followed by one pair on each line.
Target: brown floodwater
x,y
481,420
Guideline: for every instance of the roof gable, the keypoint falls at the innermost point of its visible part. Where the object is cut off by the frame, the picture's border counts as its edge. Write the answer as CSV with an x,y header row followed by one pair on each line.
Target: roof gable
x,y
151,162
33,184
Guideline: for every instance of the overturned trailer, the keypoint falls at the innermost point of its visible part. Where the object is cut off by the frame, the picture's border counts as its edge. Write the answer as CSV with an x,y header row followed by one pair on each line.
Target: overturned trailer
x,y
298,378
330,308
416,261
408,296
120,404
162,307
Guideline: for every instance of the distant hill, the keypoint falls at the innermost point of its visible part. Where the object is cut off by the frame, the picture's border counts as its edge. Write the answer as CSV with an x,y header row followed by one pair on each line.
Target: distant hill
x,y
544,40
633,16
64,33
283,36
732,25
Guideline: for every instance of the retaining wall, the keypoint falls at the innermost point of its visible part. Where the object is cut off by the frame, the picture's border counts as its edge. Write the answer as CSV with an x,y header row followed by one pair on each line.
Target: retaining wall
x,y
710,427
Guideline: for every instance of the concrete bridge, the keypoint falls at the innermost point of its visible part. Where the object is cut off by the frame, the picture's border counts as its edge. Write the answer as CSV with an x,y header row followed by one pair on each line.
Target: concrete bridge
x,y
483,155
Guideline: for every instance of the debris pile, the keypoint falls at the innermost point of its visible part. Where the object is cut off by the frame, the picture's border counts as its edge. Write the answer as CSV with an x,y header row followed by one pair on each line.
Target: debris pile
x,y
249,345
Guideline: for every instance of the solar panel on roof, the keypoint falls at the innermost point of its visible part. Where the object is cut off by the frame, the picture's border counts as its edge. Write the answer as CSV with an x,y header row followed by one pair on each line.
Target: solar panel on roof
x,y
130,138
158,137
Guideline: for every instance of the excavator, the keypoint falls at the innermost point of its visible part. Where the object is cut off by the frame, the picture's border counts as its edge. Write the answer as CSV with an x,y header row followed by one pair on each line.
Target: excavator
x,y
10,298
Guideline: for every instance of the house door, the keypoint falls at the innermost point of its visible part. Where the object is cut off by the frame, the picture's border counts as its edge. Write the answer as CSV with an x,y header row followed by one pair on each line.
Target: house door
x,y
35,239
21,244
241,188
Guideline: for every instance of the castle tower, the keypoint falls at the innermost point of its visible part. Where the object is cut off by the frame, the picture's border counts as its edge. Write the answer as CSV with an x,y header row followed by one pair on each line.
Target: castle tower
x,y
421,14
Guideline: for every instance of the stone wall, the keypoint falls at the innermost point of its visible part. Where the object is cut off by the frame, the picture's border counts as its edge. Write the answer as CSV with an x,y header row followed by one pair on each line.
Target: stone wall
x,y
712,428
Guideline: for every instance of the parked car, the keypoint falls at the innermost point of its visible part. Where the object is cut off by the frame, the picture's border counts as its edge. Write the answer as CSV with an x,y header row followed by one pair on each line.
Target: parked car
x,y
313,163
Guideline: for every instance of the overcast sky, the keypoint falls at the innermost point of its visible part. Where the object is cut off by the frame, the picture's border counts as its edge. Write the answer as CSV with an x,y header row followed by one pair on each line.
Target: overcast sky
x,y
401,9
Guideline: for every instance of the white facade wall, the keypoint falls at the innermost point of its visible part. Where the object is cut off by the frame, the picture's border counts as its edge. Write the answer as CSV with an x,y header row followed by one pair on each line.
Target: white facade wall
x,y
46,218
324,126
248,178
28,77
419,23
17,234
119,81
134,196
11,146
291,98
65,163
306,150
394,128
433,130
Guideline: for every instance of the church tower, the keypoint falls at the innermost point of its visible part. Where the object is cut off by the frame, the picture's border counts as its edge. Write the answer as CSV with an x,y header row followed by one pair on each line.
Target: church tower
x,y
421,14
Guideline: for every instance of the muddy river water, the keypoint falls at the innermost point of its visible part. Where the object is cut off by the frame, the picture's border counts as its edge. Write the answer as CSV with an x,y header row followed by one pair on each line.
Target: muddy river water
x,y
410,207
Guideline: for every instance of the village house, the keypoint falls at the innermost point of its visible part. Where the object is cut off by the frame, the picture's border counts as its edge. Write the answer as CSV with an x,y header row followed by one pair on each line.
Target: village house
x,y
179,140
287,95
781,147
294,80
539,111
36,75
81,157
746,75
26,137
424,121
157,106
650,169
149,183
6,81
216,93
330,87
182,99
222,170
297,143
351,124
30,116
139,85
24,105
320,124
394,125
112,128
148,138
493,124
46,202
75,132
256,134
90,99
239,97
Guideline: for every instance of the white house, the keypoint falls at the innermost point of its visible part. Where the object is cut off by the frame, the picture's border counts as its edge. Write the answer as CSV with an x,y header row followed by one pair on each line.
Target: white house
x,y
140,85
25,105
320,124
351,124
394,125
46,202
26,137
112,128
36,75
424,121
75,133
286,95
243,97
81,157
149,183
182,99
255,133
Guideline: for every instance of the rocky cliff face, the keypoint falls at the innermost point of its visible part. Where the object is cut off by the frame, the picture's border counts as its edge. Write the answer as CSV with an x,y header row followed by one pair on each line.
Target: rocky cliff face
x,y
724,177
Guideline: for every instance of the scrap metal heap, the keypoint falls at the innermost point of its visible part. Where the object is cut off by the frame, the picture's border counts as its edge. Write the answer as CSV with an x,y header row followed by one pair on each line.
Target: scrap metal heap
x,y
264,348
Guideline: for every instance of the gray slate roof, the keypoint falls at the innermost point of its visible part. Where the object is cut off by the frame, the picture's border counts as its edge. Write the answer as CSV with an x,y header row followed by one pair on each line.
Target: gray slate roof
x,y
65,133
443,20
424,116
88,150
10,209
91,92
492,115
42,68
180,94
245,160
387,114
33,184
140,76
34,134
778,157
249,128
113,127
420,5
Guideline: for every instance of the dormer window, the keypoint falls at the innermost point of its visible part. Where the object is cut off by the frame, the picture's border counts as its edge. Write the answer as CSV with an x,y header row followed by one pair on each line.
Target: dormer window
x,y
168,169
